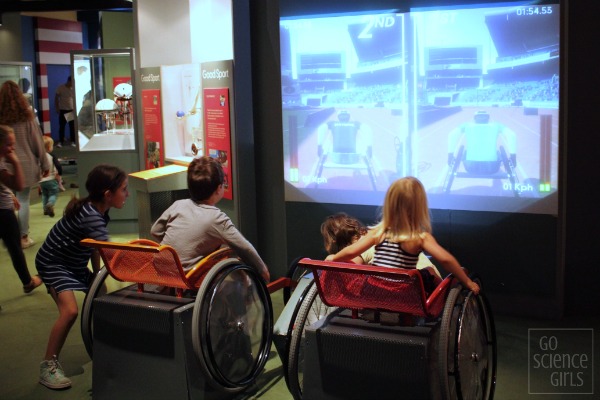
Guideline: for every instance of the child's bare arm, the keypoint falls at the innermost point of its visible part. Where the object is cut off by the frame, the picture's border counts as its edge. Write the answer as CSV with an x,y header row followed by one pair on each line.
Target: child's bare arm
x,y
448,261
349,253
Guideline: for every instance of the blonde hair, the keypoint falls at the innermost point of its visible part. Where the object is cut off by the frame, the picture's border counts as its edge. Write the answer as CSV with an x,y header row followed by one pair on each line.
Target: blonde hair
x,y
405,214
48,143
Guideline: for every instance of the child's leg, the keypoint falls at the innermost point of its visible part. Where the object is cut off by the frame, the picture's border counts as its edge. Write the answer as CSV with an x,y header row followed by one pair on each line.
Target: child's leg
x,y
52,194
9,233
60,183
44,194
67,315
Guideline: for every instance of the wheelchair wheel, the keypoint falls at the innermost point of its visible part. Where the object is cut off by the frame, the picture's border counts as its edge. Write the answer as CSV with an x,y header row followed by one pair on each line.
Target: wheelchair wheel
x,y
311,310
290,330
294,273
510,171
467,351
453,169
232,325
103,283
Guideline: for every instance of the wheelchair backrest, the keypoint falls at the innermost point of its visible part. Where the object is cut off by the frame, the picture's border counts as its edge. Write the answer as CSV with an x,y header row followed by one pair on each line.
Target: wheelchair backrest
x,y
344,137
359,287
143,261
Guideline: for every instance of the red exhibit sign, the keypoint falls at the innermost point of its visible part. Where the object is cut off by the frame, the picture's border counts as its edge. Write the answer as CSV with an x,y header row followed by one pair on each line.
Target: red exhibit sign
x,y
217,131
152,128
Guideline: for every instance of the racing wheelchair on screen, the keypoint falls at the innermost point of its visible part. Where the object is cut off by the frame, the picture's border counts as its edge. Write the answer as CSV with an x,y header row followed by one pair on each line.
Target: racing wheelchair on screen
x,y
480,154
360,330
350,148
167,333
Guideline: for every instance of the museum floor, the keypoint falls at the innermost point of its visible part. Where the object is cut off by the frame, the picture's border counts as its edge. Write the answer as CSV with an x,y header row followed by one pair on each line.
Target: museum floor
x,y
25,321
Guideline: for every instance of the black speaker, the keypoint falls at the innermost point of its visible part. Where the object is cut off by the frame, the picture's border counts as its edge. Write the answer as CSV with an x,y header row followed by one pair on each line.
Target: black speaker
x,y
349,358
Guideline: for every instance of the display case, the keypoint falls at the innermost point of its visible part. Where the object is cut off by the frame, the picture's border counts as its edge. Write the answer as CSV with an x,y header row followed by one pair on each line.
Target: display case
x,y
103,81
181,88
22,74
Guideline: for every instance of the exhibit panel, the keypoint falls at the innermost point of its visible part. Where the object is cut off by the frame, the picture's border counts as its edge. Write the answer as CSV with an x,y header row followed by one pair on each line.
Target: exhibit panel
x,y
181,94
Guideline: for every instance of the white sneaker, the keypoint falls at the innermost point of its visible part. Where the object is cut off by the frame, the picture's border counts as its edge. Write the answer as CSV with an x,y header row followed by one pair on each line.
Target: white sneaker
x,y
26,242
52,375
73,144
58,144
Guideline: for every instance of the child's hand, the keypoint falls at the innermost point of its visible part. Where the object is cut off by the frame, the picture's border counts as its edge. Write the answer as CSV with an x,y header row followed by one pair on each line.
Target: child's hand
x,y
12,158
266,275
16,203
472,286
329,257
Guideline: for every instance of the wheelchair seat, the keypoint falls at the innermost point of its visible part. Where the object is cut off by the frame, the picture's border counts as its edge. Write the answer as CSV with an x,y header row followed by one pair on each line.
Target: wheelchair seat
x,y
357,287
143,261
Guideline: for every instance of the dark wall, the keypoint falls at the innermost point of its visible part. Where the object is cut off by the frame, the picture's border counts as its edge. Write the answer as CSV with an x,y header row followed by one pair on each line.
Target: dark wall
x,y
582,272
536,265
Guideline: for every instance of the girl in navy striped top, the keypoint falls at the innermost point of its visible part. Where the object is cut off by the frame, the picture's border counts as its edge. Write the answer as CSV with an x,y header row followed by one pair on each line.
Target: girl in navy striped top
x,y
62,261
403,232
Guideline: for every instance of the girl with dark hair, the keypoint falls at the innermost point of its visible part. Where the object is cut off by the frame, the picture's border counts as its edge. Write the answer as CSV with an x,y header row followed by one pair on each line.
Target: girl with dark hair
x,y
62,261
341,230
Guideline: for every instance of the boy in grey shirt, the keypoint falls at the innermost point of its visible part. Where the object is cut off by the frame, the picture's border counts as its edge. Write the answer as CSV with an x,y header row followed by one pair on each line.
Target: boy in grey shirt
x,y
195,227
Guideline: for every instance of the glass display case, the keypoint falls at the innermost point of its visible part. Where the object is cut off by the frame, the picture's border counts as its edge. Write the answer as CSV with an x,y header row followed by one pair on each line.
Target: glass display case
x,y
103,84
21,73
181,90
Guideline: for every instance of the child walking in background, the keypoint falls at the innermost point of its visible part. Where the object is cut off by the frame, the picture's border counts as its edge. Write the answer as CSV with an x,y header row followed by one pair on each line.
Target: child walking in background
x,y
403,232
62,261
9,227
51,185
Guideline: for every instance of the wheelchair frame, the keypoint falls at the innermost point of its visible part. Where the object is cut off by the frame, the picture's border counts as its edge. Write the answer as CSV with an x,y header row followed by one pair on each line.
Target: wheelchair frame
x,y
465,333
146,264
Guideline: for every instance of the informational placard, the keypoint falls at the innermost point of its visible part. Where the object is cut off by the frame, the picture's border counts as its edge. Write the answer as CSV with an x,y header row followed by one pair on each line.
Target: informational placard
x,y
151,118
218,125
218,131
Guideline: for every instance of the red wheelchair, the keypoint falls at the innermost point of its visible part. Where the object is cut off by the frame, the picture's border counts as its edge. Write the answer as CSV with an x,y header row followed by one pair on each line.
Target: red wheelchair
x,y
362,326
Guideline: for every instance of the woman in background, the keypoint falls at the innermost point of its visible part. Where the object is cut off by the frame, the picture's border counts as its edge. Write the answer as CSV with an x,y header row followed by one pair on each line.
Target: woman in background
x,y
16,113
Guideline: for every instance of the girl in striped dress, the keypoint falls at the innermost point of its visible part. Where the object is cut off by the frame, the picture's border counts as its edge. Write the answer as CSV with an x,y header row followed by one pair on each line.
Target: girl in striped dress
x,y
62,261
403,232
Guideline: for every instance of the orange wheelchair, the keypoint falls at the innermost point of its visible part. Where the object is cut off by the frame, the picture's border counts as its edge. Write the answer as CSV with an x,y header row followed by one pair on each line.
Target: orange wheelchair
x,y
139,335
